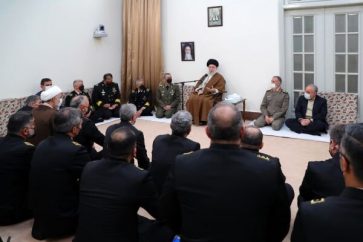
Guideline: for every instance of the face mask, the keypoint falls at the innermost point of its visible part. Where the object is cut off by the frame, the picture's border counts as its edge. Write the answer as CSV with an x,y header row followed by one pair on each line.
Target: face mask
x,y
273,85
60,103
169,80
81,88
307,96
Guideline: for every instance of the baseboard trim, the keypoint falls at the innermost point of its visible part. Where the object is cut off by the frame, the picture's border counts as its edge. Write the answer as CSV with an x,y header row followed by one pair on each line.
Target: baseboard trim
x,y
251,115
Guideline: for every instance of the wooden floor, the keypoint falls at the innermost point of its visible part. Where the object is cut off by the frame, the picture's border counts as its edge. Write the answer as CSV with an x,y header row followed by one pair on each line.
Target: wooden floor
x,y
294,155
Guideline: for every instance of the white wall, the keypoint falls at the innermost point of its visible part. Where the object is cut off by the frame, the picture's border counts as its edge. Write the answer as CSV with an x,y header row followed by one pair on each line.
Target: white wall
x,y
54,38
247,46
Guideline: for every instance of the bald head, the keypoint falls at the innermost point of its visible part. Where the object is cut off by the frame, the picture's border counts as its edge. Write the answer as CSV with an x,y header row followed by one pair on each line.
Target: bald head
x,y
121,143
252,138
224,123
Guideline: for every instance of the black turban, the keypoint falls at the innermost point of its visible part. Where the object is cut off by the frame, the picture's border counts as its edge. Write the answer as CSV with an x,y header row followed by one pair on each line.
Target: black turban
x,y
212,62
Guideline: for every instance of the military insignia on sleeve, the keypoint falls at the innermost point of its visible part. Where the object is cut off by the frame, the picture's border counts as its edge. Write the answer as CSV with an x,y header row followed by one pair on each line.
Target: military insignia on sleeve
x,y
316,201
75,143
29,144
103,92
263,157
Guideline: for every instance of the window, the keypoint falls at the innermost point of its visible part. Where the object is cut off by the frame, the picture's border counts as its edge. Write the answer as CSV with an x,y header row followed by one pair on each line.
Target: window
x,y
303,53
346,52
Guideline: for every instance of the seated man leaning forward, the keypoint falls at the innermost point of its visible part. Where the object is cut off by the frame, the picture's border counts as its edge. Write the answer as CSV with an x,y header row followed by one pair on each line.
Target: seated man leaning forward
x,y
274,106
208,91
167,98
310,113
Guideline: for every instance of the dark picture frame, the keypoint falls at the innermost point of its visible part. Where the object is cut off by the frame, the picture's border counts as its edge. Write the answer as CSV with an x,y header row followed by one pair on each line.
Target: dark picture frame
x,y
187,51
215,16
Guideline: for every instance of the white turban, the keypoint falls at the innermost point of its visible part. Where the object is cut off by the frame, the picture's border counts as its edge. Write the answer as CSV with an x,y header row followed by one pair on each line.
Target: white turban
x,y
50,93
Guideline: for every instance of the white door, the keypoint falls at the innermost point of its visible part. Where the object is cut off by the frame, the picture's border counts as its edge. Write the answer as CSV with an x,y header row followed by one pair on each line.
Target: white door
x,y
324,46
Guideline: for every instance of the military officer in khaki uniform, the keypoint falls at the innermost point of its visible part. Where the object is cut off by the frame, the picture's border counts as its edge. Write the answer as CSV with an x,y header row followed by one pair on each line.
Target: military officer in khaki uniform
x,y
167,98
274,106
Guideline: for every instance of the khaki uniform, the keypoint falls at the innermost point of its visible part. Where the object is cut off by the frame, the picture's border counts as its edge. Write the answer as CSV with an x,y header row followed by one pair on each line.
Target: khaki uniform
x,y
274,104
167,94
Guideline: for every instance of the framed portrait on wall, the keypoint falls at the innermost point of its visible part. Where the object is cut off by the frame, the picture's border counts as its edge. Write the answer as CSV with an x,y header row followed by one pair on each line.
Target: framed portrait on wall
x,y
187,51
215,16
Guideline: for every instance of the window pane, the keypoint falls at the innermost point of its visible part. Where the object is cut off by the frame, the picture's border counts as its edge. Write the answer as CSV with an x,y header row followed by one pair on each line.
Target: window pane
x,y
309,24
353,43
340,43
309,79
339,63
297,25
353,83
309,43
298,44
297,62
340,23
353,63
298,82
296,97
340,83
309,62
353,22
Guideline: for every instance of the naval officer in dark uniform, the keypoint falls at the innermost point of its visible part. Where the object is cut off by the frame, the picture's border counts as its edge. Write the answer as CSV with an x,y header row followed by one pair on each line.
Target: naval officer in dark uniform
x,y
142,98
324,178
128,116
337,218
56,167
167,146
15,157
224,193
106,99
89,134
78,90
252,140
113,217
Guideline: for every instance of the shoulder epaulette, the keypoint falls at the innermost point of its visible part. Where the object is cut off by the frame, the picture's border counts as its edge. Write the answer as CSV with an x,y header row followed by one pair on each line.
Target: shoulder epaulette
x,y
139,168
317,201
263,157
75,143
187,153
29,144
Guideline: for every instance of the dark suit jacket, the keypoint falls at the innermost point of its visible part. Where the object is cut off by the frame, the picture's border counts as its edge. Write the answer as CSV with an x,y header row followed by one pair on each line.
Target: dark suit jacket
x,y
89,135
165,149
43,119
141,153
54,184
334,219
225,193
15,157
322,179
111,193
320,109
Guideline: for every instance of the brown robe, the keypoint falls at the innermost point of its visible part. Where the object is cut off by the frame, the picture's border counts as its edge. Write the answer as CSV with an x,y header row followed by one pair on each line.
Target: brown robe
x,y
199,105
43,119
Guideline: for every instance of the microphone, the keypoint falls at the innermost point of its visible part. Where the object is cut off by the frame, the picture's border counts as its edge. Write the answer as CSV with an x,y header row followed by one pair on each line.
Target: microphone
x,y
205,75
